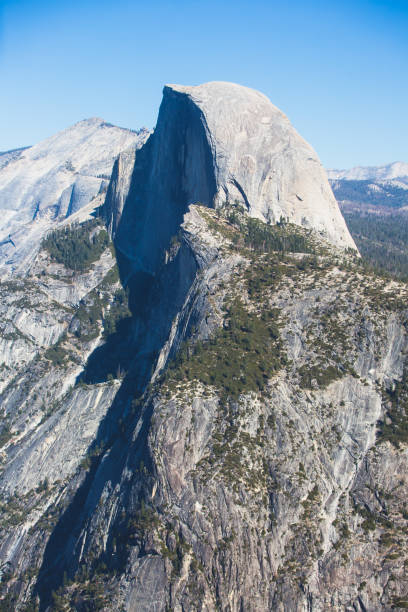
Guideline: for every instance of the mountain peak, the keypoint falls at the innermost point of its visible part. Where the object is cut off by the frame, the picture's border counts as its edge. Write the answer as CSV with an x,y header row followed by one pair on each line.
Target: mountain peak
x,y
224,94
258,158
91,121
53,179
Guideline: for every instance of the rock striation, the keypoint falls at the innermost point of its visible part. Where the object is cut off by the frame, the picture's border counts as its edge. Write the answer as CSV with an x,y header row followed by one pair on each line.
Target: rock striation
x,y
260,160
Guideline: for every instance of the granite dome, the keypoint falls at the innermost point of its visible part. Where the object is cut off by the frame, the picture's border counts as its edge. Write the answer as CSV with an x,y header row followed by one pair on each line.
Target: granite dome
x,y
260,159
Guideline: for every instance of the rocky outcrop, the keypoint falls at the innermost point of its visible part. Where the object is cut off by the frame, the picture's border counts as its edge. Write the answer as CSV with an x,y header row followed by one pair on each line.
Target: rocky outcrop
x,y
218,143
238,440
118,190
261,161
253,498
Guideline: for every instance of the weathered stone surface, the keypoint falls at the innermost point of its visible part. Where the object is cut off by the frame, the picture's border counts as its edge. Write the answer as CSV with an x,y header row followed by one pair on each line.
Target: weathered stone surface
x,y
118,190
260,160
214,143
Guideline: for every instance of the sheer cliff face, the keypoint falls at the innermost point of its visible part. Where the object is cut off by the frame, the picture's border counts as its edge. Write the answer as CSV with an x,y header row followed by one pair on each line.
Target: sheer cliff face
x,y
174,169
218,143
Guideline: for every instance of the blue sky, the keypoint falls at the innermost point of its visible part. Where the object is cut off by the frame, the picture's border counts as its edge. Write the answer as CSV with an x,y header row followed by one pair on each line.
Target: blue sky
x,y
337,69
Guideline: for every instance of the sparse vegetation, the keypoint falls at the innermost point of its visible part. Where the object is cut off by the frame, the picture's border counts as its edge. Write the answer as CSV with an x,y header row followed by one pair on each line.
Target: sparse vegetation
x,y
57,354
267,454
282,237
89,315
257,236
320,374
118,311
241,356
5,434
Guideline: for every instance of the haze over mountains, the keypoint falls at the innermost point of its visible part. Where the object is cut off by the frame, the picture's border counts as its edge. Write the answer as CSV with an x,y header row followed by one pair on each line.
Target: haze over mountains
x,y
203,390
395,170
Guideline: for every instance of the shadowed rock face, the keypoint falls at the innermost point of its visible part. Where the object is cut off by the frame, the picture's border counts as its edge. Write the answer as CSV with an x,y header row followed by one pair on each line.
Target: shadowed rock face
x,y
222,142
173,169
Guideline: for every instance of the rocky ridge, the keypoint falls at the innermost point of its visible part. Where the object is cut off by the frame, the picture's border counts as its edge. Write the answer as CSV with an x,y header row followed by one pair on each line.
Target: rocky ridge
x,y
44,184
236,441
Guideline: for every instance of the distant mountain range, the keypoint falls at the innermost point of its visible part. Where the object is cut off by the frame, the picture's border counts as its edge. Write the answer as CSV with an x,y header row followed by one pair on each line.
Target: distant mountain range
x,y
374,189
374,202
392,171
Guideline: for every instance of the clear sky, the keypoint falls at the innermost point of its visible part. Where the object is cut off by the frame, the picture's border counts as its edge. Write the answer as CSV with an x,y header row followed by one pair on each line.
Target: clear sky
x,y
338,69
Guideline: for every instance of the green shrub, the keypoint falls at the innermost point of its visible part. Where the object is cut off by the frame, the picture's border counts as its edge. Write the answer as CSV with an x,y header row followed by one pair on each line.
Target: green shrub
x,y
118,311
322,375
89,314
5,434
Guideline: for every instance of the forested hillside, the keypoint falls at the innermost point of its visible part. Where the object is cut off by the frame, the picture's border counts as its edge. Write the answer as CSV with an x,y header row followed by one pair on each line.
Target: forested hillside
x,y
382,240
374,202
380,195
